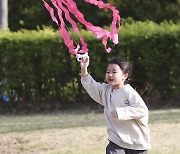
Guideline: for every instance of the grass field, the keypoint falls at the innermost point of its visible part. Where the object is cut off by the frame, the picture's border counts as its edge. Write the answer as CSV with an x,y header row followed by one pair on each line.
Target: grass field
x,y
76,132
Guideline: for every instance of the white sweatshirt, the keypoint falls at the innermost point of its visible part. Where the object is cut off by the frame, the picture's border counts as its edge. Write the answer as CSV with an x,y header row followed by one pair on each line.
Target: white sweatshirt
x,y
130,130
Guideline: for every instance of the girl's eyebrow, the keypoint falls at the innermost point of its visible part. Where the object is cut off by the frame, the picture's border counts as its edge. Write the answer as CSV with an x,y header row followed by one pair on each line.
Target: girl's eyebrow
x,y
112,69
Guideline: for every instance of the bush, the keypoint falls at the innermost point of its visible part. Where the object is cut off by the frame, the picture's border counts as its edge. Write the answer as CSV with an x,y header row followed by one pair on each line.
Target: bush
x,y
37,66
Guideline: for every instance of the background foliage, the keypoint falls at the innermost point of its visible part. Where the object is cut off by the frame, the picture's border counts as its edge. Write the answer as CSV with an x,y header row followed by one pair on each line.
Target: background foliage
x,y
30,14
36,65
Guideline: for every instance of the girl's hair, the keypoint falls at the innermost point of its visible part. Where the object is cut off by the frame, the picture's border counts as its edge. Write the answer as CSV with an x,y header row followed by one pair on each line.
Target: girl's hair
x,y
126,67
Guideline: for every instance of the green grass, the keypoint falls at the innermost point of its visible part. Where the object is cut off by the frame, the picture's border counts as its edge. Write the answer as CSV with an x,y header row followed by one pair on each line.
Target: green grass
x,y
165,116
21,123
76,132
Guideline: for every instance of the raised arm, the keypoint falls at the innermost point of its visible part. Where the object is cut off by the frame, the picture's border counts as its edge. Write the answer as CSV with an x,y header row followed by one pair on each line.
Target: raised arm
x,y
84,63
93,88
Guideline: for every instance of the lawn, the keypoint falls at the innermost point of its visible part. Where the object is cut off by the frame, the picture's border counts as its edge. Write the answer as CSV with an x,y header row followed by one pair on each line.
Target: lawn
x,y
79,132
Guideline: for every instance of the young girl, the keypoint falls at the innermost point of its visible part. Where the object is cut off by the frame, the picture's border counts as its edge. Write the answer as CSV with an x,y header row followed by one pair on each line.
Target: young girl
x,y
125,112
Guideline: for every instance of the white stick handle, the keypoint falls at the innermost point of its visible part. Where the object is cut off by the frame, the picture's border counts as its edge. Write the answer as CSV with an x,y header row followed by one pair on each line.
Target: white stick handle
x,y
81,56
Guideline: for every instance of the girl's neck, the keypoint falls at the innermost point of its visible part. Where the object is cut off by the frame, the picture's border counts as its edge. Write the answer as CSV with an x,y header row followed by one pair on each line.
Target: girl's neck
x,y
118,86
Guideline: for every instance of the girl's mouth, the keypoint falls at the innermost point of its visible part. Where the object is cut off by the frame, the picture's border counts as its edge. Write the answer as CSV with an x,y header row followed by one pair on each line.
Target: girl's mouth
x,y
110,80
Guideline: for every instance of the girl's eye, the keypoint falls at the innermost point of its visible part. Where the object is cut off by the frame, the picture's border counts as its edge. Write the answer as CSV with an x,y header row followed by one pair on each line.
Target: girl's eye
x,y
107,72
114,72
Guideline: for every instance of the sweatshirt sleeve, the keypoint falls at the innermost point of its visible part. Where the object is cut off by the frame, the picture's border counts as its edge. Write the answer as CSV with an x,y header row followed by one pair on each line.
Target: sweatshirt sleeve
x,y
137,108
93,88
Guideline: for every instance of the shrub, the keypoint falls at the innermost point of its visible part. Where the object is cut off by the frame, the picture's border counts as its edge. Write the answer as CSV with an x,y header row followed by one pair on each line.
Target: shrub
x,y
36,65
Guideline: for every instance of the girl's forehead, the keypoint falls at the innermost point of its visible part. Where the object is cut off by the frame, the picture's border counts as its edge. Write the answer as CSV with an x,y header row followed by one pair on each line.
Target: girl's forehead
x,y
113,66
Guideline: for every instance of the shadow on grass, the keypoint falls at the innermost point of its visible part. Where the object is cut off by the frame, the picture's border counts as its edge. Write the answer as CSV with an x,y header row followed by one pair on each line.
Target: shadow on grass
x,y
165,116
70,119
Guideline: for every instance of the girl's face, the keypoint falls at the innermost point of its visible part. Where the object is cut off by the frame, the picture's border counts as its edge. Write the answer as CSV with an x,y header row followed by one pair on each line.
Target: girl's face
x,y
115,77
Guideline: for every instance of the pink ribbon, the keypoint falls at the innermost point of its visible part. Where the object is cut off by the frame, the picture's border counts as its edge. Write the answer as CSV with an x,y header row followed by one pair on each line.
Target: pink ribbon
x,y
97,31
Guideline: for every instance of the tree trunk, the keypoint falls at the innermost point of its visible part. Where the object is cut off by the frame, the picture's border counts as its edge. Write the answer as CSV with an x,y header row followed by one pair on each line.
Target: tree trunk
x,y
4,14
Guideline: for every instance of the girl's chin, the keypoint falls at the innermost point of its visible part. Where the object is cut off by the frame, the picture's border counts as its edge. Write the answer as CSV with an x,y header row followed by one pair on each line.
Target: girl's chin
x,y
110,83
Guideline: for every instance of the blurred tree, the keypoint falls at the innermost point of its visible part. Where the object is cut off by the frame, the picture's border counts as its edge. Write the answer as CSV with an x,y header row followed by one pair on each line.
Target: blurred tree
x,y
30,14
4,14
141,10
27,14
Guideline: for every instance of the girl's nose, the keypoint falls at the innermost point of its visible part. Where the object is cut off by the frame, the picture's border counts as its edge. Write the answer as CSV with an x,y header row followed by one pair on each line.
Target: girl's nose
x,y
110,74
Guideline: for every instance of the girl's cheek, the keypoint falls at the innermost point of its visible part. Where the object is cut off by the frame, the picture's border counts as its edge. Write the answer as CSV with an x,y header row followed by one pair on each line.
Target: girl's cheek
x,y
106,78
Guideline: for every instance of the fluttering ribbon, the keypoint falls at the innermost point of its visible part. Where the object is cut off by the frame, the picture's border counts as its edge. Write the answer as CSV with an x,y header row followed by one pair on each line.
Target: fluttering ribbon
x,y
69,6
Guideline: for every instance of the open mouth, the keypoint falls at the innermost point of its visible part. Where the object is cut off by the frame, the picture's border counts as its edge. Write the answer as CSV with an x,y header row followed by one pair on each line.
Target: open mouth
x,y
110,80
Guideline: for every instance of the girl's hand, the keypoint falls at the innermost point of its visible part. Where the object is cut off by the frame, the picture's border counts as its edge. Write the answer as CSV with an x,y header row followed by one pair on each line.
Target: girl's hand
x,y
84,62
84,65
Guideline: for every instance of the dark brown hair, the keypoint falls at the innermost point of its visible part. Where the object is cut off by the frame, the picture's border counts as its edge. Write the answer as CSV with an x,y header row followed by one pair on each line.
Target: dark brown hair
x,y
126,67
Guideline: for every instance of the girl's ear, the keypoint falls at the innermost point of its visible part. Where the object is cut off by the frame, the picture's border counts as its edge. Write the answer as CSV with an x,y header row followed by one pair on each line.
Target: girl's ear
x,y
125,76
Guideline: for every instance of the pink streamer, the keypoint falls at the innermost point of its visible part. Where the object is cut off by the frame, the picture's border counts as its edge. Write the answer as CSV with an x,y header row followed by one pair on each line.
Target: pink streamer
x,y
97,31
